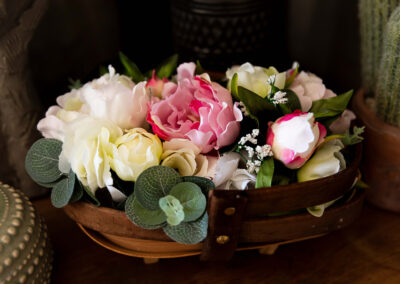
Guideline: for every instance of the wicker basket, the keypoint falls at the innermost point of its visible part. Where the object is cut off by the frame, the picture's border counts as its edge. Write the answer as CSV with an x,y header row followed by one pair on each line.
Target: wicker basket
x,y
237,219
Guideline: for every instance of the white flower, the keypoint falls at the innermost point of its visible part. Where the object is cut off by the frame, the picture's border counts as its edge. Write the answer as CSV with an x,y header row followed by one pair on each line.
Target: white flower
x,y
308,88
328,160
88,149
279,98
111,97
256,79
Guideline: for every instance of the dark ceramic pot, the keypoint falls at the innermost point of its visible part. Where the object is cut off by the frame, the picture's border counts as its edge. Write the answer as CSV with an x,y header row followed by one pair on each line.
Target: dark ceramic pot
x,y
224,32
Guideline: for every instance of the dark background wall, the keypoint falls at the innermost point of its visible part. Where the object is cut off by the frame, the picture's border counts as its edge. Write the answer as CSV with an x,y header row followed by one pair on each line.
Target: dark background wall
x,y
75,37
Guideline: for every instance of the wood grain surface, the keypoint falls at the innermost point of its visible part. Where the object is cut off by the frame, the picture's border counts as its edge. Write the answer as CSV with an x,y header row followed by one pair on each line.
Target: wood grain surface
x,y
367,252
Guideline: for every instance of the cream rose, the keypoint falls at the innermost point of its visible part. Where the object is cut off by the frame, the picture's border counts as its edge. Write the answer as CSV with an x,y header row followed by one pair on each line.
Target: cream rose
x,y
184,156
134,152
255,78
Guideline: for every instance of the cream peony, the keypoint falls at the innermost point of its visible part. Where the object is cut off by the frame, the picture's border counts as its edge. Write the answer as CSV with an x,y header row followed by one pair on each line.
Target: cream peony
x,y
87,149
255,78
111,97
184,156
134,152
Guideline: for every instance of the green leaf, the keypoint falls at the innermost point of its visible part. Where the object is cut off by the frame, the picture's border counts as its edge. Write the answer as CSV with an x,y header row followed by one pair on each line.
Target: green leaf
x,y
205,184
131,69
265,174
142,217
74,84
62,192
77,194
351,139
51,184
192,199
234,87
293,75
89,195
103,70
332,106
153,184
188,233
167,67
199,68
173,208
41,161
292,104
258,108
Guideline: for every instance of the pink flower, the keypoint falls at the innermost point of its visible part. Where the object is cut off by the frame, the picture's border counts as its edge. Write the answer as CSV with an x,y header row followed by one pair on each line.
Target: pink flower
x,y
294,137
308,88
195,109
156,85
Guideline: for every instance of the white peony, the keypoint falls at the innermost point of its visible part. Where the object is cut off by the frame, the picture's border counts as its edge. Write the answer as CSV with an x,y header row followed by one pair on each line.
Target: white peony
x,y
88,149
111,97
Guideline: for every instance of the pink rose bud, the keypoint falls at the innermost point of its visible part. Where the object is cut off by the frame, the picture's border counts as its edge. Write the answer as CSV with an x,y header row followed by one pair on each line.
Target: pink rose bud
x,y
294,137
156,85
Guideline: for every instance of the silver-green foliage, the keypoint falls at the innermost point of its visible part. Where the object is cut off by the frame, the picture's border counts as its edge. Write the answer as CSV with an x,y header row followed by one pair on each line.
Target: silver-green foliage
x,y
388,86
163,199
374,14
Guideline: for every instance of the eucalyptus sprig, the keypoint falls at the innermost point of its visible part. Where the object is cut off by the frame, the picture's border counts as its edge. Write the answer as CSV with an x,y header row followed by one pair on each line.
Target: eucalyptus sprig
x,y
163,199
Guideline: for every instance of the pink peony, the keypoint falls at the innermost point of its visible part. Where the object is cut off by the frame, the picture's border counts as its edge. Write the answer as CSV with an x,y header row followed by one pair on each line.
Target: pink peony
x,y
195,109
294,137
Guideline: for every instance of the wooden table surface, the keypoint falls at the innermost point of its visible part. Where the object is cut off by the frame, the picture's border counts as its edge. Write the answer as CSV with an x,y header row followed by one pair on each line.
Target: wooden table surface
x,y
367,252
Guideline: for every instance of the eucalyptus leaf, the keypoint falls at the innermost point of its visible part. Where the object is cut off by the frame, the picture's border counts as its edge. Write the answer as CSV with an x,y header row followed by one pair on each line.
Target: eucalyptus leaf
x,y
292,104
78,192
265,174
142,217
331,107
204,183
153,184
41,161
173,209
258,108
192,199
51,184
167,67
62,192
131,69
188,233
89,195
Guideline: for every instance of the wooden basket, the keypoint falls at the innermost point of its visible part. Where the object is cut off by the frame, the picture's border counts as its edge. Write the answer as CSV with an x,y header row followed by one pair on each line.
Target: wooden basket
x,y
237,219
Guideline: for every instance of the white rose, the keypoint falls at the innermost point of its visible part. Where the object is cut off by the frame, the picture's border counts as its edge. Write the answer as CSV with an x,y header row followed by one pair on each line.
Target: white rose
x,y
308,88
255,78
87,149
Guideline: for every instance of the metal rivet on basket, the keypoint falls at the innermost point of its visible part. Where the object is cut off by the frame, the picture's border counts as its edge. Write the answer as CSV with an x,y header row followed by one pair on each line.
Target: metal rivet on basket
x,y
222,239
230,211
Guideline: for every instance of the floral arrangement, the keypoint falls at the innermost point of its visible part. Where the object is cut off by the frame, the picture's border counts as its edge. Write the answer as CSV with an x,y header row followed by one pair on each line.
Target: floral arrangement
x,y
154,144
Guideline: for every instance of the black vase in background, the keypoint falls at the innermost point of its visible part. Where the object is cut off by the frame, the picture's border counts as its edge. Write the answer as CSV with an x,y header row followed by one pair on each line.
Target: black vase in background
x,y
220,33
